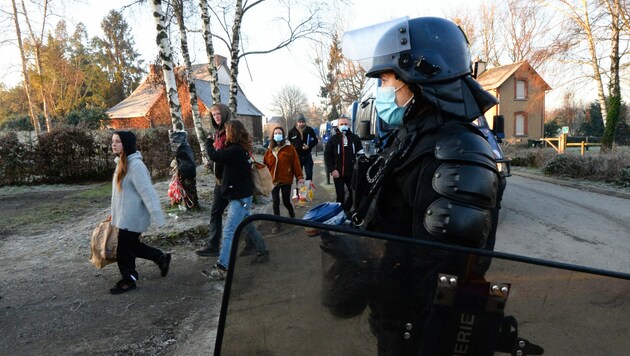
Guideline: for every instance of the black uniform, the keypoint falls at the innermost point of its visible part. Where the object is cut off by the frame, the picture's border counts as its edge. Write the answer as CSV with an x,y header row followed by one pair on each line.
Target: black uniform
x,y
340,154
306,137
436,181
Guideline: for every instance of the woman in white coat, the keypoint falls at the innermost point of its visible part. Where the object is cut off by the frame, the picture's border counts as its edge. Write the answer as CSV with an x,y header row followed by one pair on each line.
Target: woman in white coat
x,y
135,204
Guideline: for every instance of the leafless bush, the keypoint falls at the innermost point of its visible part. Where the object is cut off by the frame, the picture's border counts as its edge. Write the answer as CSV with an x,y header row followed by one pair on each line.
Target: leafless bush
x,y
611,167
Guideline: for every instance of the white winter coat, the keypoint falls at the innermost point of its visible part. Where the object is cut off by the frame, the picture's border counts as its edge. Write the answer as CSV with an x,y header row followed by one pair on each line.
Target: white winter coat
x,y
137,204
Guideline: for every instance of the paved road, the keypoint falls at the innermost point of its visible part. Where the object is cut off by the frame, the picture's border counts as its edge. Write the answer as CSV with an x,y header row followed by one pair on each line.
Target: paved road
x,y
277,308
549,221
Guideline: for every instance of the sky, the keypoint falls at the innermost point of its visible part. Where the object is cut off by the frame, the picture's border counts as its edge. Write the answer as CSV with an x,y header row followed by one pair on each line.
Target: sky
x,y
260,76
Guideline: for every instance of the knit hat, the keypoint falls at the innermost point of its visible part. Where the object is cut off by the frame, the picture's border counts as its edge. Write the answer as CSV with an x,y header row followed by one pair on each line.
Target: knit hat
x,y
128,140
301,118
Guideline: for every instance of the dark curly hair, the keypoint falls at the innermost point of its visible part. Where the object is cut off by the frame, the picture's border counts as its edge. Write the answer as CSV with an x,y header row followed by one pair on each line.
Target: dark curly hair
x,y
237,134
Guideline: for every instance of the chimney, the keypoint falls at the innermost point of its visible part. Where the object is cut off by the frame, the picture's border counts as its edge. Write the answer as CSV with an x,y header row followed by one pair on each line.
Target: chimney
x,y
479,67
155,69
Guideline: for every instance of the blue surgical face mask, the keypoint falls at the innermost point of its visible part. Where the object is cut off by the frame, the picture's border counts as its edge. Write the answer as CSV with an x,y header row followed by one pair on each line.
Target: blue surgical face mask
x,y
386,106
278,137
343,128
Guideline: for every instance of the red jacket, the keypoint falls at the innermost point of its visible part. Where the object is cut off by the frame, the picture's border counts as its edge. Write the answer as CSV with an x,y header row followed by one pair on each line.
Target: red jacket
x,y
284,164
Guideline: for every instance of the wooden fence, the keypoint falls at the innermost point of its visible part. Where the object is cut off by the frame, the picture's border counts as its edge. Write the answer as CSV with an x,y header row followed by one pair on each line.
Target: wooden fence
x,y
560,143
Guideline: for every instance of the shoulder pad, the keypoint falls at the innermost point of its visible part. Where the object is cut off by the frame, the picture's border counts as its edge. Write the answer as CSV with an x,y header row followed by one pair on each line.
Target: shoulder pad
x,y
465,146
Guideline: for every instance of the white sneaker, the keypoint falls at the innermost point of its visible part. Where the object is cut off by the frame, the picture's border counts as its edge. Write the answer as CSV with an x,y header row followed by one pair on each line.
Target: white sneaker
x,y
215,273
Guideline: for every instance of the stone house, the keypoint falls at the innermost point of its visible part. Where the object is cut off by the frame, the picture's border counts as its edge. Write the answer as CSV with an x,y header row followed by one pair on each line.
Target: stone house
x,y
521,92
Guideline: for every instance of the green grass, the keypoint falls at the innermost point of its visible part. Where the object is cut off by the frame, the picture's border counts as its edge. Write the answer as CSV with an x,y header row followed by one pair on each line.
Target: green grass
x,y
33,212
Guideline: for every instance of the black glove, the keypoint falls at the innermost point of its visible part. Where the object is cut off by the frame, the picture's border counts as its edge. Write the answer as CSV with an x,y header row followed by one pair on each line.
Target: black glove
x,y
209,142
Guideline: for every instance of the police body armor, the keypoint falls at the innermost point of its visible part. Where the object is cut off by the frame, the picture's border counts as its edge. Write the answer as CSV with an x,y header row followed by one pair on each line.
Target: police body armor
x,y
407,316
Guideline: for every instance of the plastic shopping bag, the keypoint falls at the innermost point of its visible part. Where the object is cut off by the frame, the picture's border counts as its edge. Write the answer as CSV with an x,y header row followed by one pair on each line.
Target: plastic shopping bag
x,y
303,193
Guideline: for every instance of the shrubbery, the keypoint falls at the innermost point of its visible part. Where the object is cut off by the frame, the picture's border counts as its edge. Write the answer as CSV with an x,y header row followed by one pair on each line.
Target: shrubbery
x,y
608,167
74,154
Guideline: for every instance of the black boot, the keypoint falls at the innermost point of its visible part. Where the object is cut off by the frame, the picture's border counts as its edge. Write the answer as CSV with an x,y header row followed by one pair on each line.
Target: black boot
x,y
208,251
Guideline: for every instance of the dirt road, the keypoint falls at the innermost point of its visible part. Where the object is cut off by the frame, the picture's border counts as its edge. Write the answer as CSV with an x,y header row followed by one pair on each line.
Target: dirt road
x,y
53,301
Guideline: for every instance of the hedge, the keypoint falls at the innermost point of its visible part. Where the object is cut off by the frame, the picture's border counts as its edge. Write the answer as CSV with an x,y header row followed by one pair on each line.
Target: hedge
x,y
75,155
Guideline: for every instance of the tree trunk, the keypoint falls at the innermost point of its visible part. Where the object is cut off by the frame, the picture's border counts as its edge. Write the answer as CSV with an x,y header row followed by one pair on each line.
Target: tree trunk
x,y
614,87
166,57
37,45
184,155
234,49
27,82
212,65
595,64
179,14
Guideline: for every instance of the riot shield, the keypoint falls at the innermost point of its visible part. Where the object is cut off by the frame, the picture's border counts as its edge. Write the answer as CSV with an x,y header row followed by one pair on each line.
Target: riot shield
x,y
336,290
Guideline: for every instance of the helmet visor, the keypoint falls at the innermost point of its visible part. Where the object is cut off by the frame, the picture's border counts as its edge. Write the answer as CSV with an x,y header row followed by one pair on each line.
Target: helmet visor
x,y
365,43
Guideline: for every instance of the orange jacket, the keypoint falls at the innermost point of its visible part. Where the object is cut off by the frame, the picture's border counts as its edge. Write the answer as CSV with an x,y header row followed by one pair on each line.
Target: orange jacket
x,y
283,164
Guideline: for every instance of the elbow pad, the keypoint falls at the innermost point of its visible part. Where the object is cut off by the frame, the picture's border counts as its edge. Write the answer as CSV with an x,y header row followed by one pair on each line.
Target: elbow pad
x,y
468,183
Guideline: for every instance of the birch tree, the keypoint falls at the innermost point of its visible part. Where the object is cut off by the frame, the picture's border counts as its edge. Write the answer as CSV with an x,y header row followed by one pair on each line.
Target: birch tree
x,y
178,8
234,52
212,65
27,81
598,28
306,27
166,57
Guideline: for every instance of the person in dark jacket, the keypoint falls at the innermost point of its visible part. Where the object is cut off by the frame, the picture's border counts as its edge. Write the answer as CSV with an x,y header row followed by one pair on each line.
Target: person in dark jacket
x,y
303,138
237,186
436,179
340,154
221,115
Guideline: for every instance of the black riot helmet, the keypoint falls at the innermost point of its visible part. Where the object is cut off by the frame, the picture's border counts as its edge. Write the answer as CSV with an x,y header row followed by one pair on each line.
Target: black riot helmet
x,y
430,52
421,50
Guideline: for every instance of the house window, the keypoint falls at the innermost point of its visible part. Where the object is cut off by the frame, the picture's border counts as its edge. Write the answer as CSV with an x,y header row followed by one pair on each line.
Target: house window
x,y
520,124
520,90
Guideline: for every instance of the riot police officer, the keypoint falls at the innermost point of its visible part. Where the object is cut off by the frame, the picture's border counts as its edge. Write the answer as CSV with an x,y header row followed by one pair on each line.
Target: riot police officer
x,y
436,180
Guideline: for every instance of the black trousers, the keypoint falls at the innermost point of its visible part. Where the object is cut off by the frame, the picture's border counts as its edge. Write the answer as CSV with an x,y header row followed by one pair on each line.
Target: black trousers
x,y
219,203
342,185
129,248
286,199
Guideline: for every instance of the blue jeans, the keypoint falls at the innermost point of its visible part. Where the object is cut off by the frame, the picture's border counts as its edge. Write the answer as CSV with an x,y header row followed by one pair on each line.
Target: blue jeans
x,y
238,210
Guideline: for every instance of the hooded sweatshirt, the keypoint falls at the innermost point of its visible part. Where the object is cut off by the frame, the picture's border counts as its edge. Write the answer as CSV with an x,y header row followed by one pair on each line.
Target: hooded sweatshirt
x,y
220,137
137,203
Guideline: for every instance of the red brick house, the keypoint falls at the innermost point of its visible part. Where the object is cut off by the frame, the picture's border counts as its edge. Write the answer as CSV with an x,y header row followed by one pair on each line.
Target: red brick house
x,y
147,106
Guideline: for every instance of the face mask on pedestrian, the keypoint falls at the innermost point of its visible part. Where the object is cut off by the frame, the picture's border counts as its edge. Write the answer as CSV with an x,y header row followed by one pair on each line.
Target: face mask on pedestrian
x,y
386,106
278,137
343,128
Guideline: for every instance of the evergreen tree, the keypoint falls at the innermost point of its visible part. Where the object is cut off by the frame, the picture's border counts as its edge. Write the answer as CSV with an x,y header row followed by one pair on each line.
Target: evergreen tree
x,y
593,125
93,86
118,57
552,128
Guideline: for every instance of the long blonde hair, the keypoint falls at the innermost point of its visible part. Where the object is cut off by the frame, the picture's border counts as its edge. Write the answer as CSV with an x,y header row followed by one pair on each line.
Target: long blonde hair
x,y
121,169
